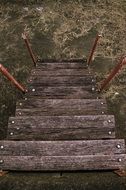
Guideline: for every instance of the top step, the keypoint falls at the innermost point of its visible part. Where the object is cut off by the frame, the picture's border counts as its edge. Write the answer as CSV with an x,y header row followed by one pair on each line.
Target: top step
x,y
70,64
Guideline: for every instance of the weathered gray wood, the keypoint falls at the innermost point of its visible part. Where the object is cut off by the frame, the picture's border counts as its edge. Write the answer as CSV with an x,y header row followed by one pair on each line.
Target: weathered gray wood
x,y
64,104
63,65
64,92
62,148
62,127
60,72
63,163
62,80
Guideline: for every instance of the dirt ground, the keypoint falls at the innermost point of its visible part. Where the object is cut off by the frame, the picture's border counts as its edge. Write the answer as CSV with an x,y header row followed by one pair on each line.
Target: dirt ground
x,y
63,29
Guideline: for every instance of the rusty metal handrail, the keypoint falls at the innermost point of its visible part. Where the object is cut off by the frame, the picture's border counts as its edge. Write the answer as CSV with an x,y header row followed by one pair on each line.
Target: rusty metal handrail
x,y
113,73
24,36
93,48
11,78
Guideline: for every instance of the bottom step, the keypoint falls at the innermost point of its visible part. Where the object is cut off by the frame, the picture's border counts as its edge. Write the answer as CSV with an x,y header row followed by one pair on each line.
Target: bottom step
x,y
63,163
62,155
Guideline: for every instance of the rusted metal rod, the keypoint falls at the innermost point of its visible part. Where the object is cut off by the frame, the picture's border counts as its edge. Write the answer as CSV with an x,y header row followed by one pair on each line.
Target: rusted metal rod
x,y
11,78
29,48
113,73
93,48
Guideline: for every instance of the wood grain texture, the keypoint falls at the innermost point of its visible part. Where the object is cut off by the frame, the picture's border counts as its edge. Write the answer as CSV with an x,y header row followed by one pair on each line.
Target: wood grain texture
x,y
61,65
64,92
62,127
63,163
60,72
62,80
62,148
63,104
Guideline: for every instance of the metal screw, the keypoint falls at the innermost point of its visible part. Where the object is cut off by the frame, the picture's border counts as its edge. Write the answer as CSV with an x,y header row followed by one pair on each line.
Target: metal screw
x,y
33,90
102,112
119,159
12,121
1,146
102,103
18,128
118,146
19,113
11,133
109,132
1,161
109,121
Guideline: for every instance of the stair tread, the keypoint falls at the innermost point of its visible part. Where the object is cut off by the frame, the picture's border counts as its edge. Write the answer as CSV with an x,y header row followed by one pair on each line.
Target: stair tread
x,y
60,72
61,65
63,163
62,148
61,127
62,80
64,92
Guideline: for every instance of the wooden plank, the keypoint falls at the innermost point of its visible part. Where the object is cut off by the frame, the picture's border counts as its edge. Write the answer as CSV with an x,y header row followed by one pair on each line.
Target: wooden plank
x,y
62,80
62,127
63,163
62,148
63,104
63,92
61,65
60,72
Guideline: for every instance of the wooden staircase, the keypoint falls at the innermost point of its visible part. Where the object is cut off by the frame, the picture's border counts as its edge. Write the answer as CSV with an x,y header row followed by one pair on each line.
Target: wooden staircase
x,y
62,124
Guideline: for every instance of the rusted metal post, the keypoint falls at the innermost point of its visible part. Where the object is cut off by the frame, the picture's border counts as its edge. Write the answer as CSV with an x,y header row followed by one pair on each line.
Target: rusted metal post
x,y
113,73
11,78
29,48
93,48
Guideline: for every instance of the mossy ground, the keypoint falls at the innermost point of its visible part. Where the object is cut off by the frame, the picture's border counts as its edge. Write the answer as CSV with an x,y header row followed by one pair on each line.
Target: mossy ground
x,y
63,29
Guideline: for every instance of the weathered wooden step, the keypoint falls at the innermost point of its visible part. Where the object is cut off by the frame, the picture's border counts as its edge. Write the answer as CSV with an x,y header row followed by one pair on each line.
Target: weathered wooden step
x,y
62,65
35,106
60,72
61,127
62,148
62,80
64,92
63,163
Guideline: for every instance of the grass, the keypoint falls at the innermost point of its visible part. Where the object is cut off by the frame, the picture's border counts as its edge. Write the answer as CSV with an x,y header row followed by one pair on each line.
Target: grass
x,y
63,29
59,29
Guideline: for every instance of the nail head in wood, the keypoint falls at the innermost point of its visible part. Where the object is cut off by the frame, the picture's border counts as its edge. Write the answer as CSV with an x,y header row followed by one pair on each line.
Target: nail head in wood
x,y
93,88
92,80
1,161
1,147
120,160
109,132
33,90
11,133
13,122
118,146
